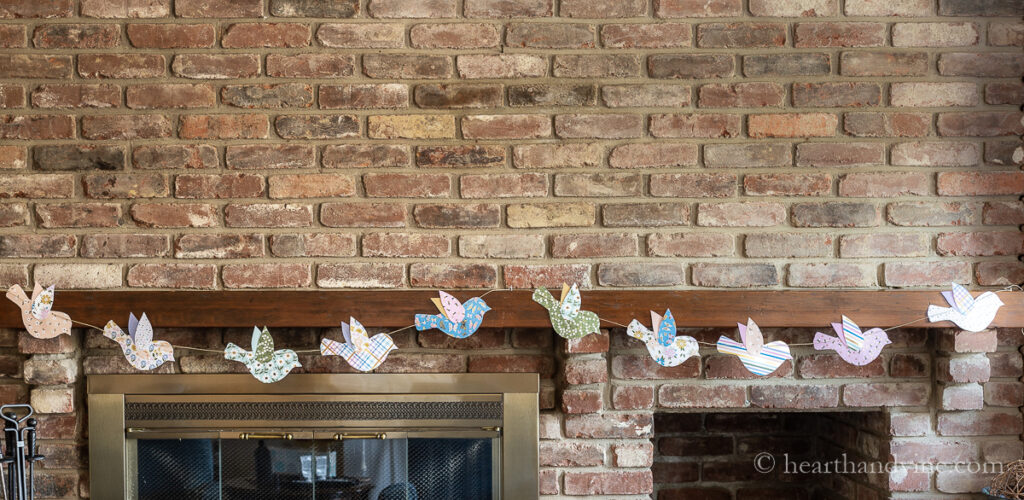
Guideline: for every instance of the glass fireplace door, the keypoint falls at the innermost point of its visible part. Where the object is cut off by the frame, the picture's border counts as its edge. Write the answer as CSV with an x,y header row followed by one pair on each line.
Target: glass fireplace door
x,y
304,465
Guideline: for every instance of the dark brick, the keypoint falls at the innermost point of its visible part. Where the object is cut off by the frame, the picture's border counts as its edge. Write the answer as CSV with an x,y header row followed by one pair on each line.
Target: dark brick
x,y
1003,8
690,66
786,64
75,157
455,96
836,214
317,127
552,95
285,95
460,156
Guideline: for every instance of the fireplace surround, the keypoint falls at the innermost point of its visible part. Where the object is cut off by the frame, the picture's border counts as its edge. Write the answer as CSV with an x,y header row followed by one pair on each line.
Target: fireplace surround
x,y
315,435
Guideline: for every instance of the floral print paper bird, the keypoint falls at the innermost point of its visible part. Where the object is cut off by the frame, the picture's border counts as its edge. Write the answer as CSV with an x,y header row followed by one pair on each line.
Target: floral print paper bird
x,y
359,349
967,312
854,346
667,348
456,319
566,317
39,319
264,363
759,358
138,345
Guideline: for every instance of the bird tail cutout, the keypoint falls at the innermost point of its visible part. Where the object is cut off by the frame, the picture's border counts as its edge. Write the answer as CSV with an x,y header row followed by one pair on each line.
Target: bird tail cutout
x,y
17,295
822,342
936,313
427,321
543,297
638,331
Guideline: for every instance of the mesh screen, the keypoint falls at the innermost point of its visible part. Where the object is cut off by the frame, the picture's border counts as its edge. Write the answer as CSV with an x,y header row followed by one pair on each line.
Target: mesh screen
x,y
353,469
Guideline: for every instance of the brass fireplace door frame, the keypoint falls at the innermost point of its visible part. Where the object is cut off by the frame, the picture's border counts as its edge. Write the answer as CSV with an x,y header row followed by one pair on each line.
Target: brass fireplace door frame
x,y
124,408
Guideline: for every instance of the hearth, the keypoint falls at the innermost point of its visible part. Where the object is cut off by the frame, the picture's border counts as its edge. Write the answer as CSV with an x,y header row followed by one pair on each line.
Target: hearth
x,y
372,437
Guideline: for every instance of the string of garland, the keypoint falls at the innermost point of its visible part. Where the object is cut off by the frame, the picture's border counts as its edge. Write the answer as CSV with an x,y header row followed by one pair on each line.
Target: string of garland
x,y
459,320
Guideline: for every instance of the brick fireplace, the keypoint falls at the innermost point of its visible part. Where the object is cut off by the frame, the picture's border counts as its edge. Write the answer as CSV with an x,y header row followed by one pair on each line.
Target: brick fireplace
x,y
613,424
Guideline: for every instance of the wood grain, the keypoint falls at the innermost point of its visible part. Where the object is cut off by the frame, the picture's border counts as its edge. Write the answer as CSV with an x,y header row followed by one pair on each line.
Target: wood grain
x,y
396,308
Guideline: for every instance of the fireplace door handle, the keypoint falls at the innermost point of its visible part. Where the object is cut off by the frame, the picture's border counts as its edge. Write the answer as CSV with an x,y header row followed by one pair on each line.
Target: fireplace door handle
x,y
268,435
372,435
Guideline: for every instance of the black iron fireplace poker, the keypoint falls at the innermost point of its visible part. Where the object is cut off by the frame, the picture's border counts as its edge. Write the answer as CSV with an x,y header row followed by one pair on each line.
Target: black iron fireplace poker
x,y
19,453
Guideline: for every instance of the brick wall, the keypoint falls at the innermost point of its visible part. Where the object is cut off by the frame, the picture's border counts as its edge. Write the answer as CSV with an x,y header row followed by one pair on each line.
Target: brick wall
x,y
480,143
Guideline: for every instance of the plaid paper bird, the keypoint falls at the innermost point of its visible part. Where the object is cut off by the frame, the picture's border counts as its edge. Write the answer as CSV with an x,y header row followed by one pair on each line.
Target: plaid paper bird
x,y
360,350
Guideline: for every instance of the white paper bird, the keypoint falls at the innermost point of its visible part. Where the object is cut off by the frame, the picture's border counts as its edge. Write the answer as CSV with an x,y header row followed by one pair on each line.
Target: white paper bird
x,y
138,345
663,344
37,314
967,312
360,350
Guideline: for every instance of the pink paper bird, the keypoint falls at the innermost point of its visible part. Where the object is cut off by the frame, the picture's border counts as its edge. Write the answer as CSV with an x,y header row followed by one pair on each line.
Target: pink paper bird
x,y
855,347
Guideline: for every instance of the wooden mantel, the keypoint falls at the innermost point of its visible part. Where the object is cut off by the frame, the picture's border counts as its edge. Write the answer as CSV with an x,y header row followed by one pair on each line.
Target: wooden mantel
x,y
396,308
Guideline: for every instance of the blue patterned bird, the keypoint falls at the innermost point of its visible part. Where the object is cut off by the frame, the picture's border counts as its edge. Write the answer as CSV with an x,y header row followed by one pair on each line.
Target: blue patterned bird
x,y
456,319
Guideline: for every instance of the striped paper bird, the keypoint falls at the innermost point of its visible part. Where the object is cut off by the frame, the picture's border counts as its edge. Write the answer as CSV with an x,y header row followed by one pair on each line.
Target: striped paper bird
x,y
854,346
566,317
456,319
36,313
667,348
967,312
759,358
140,350
263,362
360,350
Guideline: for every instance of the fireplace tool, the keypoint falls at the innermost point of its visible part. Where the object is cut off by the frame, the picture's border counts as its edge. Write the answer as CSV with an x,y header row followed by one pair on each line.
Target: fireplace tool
x,y
19,452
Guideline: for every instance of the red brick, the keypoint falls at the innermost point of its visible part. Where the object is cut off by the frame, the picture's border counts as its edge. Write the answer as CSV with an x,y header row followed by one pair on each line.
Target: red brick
x,y
593,245
557,155
999,273
884,185
111,9
980,183
839,34
792,125
405,245
35,66
610,426
690,245
787,184
12,36
268,215
364,36
701,185
794,396
14,215
910,365
76,36
652,155
362,215
320,65
506,126
992,65
741,95
989,124
218,8
12,96
257,35
33,127
734,275
457,215
412,8
171,36
269,156
884,245
741,35
311,186
407,185
625,397
216,66
224,127
524,276
1004,93
604,126
962,397
550,36
596,66
508,8
570,454
909,8
615,483
926,273
302,8
365,156
698,8
689,66
125,186
934,34
266,275
794,8
37,186
883,64
475,66
360,275
653,36
1009,394
747,214
835,95
787,245
126,127
899,394
787,64
218,186
283,95
22,9
454,36
401,66
202,276
313,245
512,363
696,125
980,244
76,96
364,96
747,155
642,96
121,65
831,274
933,214
37,245
641,274
836,214
976,423
117,246
1003,34
831,366
701,396
64,215
164,96
887,125
825,154
598,185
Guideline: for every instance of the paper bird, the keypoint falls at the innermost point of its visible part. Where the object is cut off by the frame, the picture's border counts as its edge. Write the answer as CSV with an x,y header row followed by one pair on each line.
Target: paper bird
x,y
40,321
758,357
456,319
665,346
264,363
139,348
361,351
971,314
855,347
566,317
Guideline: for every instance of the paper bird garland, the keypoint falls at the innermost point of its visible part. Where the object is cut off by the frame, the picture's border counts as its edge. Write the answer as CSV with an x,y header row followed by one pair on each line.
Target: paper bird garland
x,y
359,350
456,319
264,363
566,317
967,312
138,345
665,347
855,347
759,358
37,315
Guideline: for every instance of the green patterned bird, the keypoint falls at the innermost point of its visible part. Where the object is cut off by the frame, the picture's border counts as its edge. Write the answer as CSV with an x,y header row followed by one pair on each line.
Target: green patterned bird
x,y
566,317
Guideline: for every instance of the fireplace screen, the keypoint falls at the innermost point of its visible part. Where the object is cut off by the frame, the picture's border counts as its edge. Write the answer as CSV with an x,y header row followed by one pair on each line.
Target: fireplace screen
x,y
226,437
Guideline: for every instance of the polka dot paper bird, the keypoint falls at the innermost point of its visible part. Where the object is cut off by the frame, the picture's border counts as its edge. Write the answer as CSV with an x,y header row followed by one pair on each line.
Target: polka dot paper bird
x,y
456,319
967,312
667,348
759,358
138,345
566,317
37,314
360,350
264,363
855,347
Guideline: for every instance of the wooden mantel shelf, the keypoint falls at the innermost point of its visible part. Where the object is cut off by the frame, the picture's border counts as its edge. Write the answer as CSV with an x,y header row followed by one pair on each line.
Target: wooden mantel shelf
x,y
396,308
